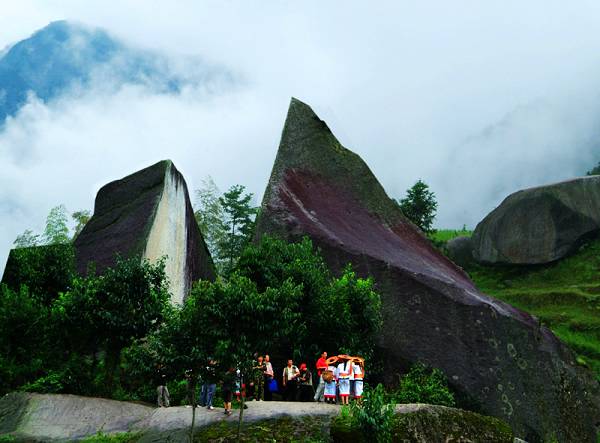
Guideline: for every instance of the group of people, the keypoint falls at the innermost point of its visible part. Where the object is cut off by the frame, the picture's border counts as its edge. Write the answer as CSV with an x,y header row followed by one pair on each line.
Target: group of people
x,y
337,377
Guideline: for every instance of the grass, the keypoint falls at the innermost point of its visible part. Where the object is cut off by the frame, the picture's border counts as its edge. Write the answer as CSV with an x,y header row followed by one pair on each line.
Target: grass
x,y
286,429
122,437
564,295
444,235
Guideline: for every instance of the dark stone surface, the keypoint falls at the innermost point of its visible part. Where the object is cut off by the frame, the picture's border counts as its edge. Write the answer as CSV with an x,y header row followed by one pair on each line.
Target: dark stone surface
x,y
539,225
124,214
495,355
460,250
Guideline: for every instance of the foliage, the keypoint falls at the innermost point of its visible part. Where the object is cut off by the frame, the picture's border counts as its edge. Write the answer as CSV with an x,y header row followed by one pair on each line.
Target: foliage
x,y
373,416
112,310
81,218
424,385
229,320
121,437
210,216
23,332
594,171
45,270
57,231
420,206
27,239
239,220
324,303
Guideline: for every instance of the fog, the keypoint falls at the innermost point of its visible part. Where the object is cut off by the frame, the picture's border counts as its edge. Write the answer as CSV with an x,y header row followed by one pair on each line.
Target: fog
x,y
478,100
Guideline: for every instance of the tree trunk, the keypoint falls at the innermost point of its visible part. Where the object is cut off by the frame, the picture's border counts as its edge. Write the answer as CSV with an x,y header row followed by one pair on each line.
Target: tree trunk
x,y
193,421
243,395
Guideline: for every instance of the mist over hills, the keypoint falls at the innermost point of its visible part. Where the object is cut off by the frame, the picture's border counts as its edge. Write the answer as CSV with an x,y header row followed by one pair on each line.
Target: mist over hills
x,y
68,57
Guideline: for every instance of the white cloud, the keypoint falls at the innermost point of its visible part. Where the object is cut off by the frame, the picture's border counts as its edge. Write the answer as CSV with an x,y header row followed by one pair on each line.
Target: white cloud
x,y
410,86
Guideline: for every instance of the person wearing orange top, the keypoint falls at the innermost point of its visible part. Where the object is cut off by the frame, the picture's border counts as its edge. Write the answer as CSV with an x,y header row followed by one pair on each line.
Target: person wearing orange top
x,y
321,366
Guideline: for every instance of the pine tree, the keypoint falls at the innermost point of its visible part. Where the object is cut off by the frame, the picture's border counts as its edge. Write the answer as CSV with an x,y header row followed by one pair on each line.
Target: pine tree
x,y
420,206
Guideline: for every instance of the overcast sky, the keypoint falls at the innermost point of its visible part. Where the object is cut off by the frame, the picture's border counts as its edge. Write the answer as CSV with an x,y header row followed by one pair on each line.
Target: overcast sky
x,y
479,99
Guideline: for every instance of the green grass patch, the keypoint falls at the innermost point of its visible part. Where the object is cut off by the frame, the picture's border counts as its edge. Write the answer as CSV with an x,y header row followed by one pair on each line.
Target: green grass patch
x,y
444,235
564,295
286,429
121,437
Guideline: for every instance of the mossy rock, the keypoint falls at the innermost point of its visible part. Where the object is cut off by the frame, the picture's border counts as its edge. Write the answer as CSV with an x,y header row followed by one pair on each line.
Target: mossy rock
x,y
418,423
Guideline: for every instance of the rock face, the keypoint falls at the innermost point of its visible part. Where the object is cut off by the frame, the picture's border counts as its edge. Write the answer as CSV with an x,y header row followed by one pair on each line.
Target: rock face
x,y
495,355
147,214
539,225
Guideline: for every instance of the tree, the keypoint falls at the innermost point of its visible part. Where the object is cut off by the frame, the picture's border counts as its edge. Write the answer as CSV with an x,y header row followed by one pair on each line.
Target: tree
x,y
81,218
27,239
239,222
594,171
325,303
210,216
420,206
57,231
126,303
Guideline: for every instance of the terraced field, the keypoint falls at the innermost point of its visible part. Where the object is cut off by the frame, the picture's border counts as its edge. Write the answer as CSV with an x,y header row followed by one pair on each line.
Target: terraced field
x,y
565,296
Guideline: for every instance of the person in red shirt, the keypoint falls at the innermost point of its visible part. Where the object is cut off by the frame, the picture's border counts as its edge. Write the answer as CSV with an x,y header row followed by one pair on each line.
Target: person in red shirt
x,y
321,366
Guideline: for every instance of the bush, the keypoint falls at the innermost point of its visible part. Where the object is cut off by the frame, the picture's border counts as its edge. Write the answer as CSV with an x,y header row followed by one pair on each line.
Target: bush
x,y
424,385
373,416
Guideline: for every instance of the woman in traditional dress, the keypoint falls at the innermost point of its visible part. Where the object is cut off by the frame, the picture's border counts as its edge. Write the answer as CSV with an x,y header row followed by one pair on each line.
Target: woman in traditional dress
x,y
344,370
330,380
358,369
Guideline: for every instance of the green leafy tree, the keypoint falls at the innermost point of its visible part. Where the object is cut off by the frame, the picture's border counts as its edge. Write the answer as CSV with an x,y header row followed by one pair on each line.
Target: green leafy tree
x,y
45,270
27,239
420,206
373,416
210,215
325,303
230,320
239,223
81,218
23,337
57,231
125,303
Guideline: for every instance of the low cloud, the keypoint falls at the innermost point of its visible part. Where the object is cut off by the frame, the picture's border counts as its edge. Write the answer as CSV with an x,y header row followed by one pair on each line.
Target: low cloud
x,y
479,100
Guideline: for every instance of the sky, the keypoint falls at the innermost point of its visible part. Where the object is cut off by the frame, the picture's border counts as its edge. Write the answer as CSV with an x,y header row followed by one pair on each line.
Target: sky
x,y
478,99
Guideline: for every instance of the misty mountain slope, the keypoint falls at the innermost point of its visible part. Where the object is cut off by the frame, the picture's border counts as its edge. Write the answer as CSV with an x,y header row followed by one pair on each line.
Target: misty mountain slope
x,y
65,57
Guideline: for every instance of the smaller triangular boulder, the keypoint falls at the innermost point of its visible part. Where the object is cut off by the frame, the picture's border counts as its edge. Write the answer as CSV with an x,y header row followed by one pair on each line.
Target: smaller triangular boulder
x,y
147,214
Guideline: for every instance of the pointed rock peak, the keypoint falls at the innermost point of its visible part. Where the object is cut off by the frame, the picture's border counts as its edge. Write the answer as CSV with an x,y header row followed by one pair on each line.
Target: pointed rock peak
x,y
308,145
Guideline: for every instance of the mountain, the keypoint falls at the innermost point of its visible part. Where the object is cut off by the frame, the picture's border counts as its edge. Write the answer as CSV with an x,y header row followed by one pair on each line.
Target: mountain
x,y
66,57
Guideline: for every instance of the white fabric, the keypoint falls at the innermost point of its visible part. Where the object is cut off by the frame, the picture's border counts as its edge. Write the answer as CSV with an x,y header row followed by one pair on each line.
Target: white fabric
x,y
358,388
344,387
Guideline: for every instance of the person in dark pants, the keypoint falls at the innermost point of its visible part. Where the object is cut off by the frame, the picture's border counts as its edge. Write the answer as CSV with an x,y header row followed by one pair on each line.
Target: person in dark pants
x,y
290,382
268,378
209,387
306,384
228,387
258,376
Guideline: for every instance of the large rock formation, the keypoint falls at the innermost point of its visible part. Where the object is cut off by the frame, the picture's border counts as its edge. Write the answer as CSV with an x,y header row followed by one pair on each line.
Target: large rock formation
x,y
147,214
539,225
502,359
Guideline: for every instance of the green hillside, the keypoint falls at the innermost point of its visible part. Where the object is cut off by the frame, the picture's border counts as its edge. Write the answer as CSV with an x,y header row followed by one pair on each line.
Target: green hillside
x,y
564,295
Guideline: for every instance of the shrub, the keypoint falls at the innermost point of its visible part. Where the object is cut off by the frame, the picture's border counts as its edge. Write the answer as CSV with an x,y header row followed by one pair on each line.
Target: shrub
x,y
424,385
373,416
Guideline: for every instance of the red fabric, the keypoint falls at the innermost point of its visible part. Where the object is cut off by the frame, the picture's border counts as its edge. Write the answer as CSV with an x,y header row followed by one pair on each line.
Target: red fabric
x,y
321,366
